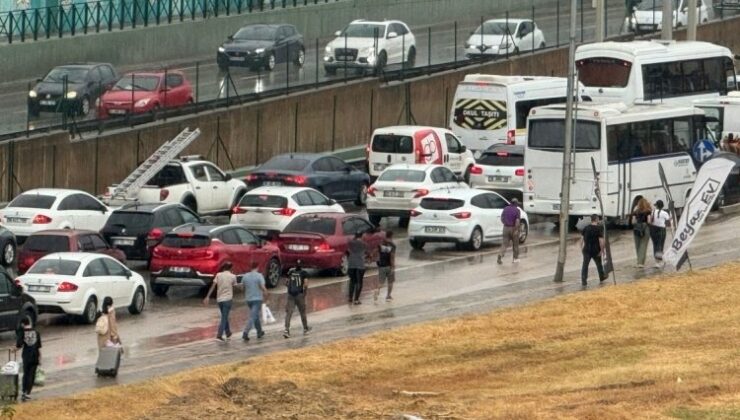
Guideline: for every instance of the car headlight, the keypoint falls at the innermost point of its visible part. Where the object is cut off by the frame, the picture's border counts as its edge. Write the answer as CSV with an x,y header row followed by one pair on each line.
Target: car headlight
x,y
71,95
259,50
221,49
327,49
142,103
32,94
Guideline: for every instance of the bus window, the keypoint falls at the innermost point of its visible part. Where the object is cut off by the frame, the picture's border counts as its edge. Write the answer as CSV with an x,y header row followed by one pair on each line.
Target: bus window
x,y
550,134
683,78
604,72
647,138
523,108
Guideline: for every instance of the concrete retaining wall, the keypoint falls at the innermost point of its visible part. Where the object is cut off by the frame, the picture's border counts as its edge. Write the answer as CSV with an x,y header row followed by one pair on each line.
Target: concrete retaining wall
x,y
322,120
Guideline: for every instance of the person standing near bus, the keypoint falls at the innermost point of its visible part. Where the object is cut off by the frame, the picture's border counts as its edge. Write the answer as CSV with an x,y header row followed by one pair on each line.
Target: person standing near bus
x,y
659,220
640,218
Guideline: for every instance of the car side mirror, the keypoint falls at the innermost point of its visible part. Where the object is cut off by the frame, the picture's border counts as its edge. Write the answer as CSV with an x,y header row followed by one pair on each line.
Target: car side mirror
x,y
227,177
230,38
332,201
128,274
392,35
463,148
338,33
39,80
260,243
104,210
459,178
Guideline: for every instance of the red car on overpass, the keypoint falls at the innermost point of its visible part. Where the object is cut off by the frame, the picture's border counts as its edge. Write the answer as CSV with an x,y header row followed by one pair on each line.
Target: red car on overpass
x,y
138,93
320,240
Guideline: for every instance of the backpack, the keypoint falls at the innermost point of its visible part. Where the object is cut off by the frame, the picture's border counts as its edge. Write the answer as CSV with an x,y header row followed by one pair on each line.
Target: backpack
x,y
295,282
101,326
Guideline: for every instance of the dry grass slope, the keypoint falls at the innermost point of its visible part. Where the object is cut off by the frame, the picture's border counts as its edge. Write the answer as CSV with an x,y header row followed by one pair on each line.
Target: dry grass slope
x,y
663,348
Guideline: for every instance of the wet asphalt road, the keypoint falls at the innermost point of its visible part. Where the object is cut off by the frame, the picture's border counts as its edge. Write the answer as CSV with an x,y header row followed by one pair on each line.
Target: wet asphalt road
x,y
177,332
434,45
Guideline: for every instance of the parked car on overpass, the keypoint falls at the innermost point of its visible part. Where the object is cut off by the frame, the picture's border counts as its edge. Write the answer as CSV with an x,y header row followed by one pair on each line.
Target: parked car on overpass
x,y
72,88
497,37
262,46
139,93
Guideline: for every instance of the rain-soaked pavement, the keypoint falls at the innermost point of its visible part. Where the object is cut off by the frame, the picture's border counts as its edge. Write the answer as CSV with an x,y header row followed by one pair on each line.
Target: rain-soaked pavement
x,y
177,332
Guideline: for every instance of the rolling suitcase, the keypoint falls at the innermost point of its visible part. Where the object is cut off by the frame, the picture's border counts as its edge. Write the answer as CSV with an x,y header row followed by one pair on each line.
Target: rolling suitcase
x,y
109,359
9,377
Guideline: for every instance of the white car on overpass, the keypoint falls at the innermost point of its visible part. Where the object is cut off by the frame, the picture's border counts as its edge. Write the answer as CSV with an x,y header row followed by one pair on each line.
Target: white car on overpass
x,y
466,217
497,37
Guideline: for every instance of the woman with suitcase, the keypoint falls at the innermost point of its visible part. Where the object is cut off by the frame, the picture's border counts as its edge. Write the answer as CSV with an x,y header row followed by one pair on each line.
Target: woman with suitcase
x,y
109,343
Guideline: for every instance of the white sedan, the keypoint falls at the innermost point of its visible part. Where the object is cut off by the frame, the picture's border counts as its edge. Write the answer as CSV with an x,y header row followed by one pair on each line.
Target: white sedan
x,y
53,208
498,37
76,283
399,188
268,210
500,168
465,217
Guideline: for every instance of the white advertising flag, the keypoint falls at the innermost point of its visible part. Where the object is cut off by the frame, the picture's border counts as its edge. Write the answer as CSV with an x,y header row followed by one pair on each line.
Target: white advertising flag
x,y
712,176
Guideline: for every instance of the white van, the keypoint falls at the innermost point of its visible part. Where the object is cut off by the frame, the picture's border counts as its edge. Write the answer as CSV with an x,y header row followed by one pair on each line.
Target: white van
x,y
490,109
417,144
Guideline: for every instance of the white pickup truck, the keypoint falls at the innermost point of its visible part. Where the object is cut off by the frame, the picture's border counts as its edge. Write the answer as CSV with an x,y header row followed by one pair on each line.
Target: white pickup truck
x,y
196,183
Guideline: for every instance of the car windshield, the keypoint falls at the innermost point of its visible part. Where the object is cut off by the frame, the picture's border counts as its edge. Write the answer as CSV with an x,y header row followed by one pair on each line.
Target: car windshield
x,y
264,200
131,220
495,28
402,175
137,82
363,30
33,201
175,240
284,163
73,75
256,33
47,243
656,5
56,266
322,225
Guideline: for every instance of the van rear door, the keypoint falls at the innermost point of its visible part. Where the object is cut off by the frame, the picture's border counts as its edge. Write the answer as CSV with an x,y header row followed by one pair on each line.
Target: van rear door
x,y
387,149
480,115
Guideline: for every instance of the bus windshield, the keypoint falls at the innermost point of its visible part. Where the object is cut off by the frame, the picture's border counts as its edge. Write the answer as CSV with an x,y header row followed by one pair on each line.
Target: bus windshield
x,y
550,134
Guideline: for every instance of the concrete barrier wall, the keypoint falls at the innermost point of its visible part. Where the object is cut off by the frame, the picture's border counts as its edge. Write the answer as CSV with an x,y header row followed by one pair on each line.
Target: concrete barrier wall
x,y
321,120
201,37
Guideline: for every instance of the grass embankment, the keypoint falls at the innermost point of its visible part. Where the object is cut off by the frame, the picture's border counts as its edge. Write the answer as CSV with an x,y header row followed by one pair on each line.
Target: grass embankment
x,y
667,347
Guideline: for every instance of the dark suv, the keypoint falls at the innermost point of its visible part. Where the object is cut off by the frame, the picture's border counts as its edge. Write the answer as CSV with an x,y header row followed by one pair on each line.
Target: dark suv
x,y
72,88
14,303
137,228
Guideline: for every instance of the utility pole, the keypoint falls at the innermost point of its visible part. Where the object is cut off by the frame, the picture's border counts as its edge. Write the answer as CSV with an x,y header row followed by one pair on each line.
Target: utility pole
x,y
692,21
567,140
599,5
667,22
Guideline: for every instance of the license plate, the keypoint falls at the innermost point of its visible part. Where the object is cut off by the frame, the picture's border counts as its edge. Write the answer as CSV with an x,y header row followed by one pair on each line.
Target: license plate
x,y
237,58
15,220
117,111
434,229
298,247
123,242
179,269
396,194
497,178
37,288
272,183
557,207
48,103
379,166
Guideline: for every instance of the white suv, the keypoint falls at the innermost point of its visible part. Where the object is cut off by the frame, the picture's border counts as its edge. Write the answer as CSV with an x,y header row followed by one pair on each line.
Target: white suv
x,y
367,45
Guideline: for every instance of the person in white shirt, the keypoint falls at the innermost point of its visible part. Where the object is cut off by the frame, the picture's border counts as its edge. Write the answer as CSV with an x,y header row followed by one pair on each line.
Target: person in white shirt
x,y
659,220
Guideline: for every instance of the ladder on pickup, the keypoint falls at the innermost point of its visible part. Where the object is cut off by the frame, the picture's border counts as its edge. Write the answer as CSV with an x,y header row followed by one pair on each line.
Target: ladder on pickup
x,y
139,177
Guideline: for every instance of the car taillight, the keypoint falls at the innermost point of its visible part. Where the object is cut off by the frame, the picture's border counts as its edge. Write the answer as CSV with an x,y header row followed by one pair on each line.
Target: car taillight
x,y
205,254
323,247
157,253
511,137
250,178
238,210
297,180
476,170
462,215
66,286
285,211
163,194
414,213
371,191
519,172
155,234
421,192
40,219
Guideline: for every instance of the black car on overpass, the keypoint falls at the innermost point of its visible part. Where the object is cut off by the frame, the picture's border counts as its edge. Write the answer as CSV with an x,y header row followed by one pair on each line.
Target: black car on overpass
x,y
72,88
262,46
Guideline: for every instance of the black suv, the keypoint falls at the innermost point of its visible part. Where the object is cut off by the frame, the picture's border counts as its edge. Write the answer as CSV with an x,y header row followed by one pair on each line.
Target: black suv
x,y
73,88
137,228
15,304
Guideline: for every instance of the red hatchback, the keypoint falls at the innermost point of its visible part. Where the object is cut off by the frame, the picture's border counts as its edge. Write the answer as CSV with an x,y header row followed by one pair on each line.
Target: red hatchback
x,y
46,242
137,93
320,240
193,255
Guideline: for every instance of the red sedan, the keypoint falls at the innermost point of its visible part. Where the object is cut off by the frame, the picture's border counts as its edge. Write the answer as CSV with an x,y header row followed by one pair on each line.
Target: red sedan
x,y
137,93
46,242
320,240
193,255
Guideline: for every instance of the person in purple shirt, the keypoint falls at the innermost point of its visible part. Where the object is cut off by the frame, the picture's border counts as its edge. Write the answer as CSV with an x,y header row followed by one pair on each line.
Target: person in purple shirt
x,y
510,217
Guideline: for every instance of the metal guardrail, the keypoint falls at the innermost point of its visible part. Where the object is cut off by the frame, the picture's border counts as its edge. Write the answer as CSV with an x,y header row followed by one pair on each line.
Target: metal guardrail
x,y
109,15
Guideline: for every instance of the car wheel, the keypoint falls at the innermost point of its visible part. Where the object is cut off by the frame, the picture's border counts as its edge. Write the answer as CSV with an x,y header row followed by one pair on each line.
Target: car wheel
x,y
160,289
417,244
343,268
375,220
8,257
84,106
137,303
271,61
90,312
272,273
573,222
380,65
476,239
411,58
403,222
190,203
523,232
300,59
330,71
542,45
516,50
362,195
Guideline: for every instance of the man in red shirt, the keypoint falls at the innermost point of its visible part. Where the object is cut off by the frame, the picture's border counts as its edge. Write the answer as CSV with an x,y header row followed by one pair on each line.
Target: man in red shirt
x,y
511,218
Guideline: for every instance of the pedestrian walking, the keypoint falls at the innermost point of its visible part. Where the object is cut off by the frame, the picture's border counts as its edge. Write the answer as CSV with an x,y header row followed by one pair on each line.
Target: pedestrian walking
x,y
106,326
592,247
386,265
254,292
357,254
28,339
224,283
640,218
659,220
511,218
297,288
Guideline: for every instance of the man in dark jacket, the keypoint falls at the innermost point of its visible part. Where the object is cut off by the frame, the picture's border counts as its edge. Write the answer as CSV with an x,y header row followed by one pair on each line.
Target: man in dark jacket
x,y
592,246
297,288
29,340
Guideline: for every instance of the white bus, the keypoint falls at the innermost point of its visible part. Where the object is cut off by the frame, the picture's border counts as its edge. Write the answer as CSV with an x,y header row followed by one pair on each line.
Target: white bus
x,y
626,142
489,109
724,116
654,71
